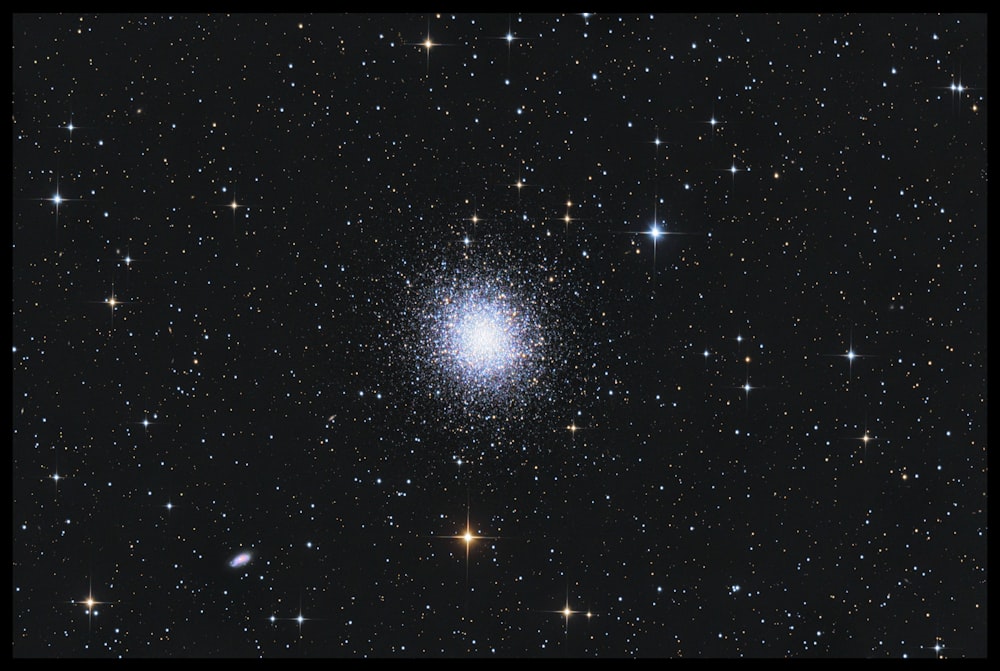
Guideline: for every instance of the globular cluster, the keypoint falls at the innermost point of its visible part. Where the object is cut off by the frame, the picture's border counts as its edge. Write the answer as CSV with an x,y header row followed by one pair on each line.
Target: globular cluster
x,y
483,339
488,346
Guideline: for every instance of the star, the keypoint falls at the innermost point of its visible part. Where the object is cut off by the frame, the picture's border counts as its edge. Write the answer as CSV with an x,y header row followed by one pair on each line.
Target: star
x,y
147,421
865,438
712,123
427,43
57,199
113,302
299,619
468,537
657,230
55,478
510,38
850,355
732,170
90,605
70,127
938,647
233,206
566,612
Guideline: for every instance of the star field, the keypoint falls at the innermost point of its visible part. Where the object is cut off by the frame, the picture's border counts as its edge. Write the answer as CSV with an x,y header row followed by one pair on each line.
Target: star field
x,y
501,335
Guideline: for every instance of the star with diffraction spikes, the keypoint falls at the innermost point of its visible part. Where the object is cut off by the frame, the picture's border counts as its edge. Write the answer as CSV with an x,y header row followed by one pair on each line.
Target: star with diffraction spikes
x,y
299,618
566,612
90,604
57,199
428,44
468,537
850,355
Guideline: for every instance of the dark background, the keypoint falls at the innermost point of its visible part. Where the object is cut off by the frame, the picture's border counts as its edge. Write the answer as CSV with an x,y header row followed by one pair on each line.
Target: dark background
x,y
271,347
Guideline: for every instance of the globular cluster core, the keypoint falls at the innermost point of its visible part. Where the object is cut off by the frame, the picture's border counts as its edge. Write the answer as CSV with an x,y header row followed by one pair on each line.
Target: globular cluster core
x,y
483,343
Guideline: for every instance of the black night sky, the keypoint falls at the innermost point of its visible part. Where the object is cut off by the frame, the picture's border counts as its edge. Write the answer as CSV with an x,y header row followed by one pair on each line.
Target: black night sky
x,y
513,335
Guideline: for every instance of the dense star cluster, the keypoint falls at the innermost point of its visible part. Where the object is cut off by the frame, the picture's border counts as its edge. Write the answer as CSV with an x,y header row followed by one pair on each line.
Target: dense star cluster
x,y
483,339
488,348
481,335
479,343
514,335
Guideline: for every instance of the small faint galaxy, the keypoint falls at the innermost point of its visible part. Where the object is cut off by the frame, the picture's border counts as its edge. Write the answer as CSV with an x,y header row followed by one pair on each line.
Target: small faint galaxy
x,y
240,560
513,335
